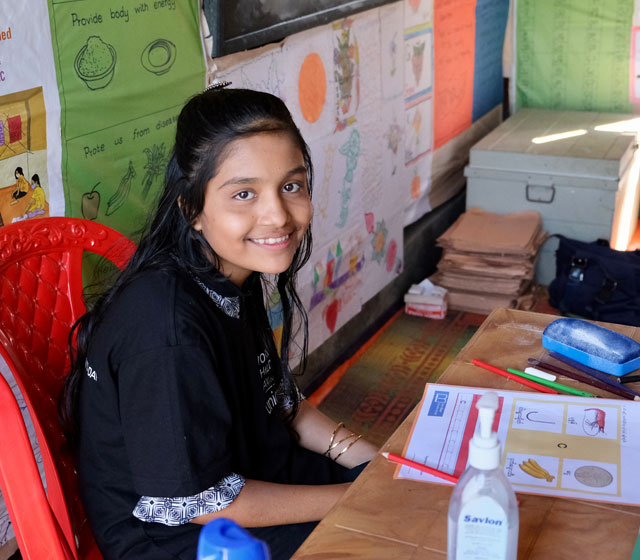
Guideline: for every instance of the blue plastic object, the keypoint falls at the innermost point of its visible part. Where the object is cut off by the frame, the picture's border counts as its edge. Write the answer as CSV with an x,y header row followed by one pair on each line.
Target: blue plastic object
x,y
224,539
592,345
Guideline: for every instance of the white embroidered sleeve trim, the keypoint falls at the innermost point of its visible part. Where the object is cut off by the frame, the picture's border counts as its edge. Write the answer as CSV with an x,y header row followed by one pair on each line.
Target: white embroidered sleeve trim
x,y
181,510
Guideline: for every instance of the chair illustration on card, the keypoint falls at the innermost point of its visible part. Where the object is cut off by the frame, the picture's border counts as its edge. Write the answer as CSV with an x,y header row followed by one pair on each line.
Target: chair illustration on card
x,y
41,296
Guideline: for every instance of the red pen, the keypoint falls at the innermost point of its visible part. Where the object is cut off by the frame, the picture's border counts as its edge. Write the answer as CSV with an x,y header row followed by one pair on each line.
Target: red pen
x,y
513,377
419,466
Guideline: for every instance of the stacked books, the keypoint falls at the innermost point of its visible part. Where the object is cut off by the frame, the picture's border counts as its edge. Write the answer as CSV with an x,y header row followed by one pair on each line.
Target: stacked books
x,y
488,259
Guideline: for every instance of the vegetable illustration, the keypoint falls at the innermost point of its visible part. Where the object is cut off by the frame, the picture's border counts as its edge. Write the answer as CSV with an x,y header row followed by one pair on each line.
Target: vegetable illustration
x,y
156,156
417,59
91,203
121,195
532,468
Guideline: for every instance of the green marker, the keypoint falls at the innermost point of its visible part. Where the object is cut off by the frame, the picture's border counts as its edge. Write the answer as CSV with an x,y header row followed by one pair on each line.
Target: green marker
x,y
552,384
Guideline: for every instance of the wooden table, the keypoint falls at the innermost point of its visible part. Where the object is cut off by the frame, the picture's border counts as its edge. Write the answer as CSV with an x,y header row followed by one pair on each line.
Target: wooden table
x,y
382,518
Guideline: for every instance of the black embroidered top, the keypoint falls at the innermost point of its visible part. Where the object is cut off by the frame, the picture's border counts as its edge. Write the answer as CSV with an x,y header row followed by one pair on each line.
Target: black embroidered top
x,y
179,395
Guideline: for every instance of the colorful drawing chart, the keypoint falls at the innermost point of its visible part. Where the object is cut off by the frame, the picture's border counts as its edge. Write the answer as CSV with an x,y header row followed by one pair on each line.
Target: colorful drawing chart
x,y
454,43
583,47
124,72
30,179
552,444
418,119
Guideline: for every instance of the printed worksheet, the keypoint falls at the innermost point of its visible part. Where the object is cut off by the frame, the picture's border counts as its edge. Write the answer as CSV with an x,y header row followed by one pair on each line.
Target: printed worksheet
x,y
556,445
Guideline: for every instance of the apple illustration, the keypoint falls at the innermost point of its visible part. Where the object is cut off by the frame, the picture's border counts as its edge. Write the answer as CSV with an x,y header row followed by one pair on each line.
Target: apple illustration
x,y
91,203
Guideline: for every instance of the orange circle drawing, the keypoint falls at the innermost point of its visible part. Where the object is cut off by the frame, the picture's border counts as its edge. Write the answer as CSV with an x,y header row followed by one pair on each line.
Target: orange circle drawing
x,y
312,87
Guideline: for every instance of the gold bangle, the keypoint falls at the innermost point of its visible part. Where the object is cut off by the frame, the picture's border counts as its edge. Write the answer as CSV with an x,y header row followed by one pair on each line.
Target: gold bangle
x,y
333,437
347,448
328,451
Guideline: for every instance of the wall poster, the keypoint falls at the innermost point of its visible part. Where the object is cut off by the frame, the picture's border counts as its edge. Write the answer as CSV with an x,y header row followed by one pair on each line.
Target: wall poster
x,y
116,137
30,181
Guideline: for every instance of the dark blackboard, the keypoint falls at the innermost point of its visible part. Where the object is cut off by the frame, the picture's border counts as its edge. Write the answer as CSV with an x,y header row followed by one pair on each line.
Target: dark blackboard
x,y
246,24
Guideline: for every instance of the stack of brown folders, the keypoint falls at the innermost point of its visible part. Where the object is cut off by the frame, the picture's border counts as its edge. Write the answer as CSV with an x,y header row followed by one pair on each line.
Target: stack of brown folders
x,y
488,259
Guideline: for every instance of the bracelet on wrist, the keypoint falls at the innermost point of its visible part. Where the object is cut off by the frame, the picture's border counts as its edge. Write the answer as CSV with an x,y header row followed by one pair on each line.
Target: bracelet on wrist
x,y
347,447
333,437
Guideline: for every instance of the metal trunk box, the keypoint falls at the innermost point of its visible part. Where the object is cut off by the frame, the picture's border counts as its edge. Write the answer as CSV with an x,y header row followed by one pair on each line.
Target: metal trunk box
x,y
578,169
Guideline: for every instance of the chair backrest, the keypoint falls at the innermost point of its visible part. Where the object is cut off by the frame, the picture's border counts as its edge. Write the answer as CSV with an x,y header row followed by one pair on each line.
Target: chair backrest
x,y
41,297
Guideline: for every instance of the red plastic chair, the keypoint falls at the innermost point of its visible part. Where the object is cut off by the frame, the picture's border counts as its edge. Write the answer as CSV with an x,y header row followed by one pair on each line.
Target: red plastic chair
x,y
41,293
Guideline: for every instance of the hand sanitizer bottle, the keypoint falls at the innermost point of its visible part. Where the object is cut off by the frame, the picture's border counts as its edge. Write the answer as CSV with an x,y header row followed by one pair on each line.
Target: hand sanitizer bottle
x,y
483,512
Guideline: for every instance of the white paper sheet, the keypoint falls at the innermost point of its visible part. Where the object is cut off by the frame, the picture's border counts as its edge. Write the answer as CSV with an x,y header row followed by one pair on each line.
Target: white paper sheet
x,y
330,285
308,87
418,191
261,73
586,445
392,49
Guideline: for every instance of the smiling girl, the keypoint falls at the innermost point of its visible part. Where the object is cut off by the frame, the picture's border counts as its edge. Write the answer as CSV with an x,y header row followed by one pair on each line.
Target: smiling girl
x,y
183,410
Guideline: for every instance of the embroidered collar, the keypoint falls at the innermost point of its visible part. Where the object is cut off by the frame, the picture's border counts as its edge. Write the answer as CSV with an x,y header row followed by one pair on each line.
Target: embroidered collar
x,y
230,305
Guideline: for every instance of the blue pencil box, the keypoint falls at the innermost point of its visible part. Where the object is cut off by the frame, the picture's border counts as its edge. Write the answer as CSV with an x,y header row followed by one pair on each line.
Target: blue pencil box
x,y
592,345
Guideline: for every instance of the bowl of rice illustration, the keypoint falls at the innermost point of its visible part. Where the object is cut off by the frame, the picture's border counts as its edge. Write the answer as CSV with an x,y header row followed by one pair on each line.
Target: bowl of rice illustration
x,y
95,63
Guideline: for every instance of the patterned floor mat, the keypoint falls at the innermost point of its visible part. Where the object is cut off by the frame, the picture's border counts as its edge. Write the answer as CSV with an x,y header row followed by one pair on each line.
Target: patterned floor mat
x,y
384,384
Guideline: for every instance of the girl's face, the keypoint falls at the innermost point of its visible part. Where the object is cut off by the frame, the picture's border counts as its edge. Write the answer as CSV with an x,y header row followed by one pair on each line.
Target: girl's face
x,y
257,207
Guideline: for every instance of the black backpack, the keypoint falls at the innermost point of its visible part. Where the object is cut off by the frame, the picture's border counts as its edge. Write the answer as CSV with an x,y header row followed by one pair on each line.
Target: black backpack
x,y
596,282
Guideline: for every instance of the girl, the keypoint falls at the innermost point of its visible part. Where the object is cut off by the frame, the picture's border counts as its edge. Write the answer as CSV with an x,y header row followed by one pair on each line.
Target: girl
x,y
22,185
38,199
184,409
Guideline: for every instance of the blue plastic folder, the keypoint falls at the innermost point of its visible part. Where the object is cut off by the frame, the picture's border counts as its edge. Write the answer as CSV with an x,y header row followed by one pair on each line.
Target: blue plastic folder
x,y
592,345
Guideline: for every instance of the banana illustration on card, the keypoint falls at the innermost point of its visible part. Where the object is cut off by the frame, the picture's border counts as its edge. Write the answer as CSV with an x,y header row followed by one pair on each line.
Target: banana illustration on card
x,y
532,468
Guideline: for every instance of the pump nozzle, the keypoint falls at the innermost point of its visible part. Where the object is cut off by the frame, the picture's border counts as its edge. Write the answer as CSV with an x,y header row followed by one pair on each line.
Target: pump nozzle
x,y
487,405
484,447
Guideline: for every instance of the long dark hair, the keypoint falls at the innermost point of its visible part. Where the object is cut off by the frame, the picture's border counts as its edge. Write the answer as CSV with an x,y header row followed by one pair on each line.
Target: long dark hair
x,y
206,126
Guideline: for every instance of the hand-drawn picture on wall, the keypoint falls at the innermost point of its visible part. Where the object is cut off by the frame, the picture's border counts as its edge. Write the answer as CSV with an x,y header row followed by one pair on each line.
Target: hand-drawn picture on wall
x,y
155,166
312,87
158,56
417,60
418,133
336,282
418,71
418,13
268,79
346,60
23,156
91,203
351,151
122,194
393,135
95,63
261,73
382,252
393,49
